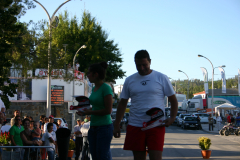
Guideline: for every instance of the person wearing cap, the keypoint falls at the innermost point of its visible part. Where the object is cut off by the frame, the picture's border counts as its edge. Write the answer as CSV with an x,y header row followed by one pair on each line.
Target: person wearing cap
x,y
147,89
84,129
79,138
51,120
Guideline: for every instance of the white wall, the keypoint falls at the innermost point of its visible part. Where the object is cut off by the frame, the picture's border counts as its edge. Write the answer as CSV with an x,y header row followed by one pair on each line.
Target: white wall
x,y
39,88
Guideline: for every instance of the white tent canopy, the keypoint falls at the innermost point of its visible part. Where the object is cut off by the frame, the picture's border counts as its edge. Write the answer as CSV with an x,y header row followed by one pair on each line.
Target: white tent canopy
x,y
224,106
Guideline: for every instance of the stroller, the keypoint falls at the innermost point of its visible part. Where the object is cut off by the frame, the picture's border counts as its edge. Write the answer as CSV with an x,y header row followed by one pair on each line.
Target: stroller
x,y
230,129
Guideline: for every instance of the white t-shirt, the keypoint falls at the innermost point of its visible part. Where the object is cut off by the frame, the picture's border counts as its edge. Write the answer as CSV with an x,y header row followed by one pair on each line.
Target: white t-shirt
x,y
46,137
85,129
219,119
146,92
45,127
1,105
77,128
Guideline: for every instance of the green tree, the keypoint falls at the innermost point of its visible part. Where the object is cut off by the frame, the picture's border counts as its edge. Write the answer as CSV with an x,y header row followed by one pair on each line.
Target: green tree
x,y
10,10
86,32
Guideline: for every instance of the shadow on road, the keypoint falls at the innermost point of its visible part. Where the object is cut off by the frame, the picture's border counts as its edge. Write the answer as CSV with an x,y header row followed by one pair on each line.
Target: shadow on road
x,y
195,154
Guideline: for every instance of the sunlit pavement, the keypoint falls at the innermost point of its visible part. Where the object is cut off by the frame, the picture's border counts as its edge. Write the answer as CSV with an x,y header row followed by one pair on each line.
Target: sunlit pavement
x,y
182,144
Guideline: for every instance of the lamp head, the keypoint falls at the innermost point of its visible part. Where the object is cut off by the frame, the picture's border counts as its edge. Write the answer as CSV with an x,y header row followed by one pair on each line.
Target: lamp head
x,y
84,46
200,55
223,66
179,71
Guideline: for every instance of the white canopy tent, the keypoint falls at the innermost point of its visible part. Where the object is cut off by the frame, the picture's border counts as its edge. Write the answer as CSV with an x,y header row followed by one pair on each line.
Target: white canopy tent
x,y
224,106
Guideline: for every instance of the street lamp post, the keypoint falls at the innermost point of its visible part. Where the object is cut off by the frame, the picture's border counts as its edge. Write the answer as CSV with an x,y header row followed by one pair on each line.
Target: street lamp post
x,y
212,77
73,114
188,83
74,66
51,19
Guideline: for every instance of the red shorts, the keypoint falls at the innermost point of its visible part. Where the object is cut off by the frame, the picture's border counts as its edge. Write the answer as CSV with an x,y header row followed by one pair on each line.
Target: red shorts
x,y
137,140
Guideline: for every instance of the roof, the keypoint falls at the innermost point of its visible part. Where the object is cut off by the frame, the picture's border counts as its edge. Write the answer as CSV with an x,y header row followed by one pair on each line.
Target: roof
x,y
218,92
203,92
229,92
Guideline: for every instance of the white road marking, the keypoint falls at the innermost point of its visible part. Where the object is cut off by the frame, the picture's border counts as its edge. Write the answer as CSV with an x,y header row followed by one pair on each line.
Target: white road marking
x,y
116,146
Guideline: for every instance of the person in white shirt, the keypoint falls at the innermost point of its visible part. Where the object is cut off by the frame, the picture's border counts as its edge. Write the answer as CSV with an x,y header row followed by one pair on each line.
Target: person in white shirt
x,y
147,89
49,139
84,130
51,120
16,113
219,121
2,107
79,138
77,66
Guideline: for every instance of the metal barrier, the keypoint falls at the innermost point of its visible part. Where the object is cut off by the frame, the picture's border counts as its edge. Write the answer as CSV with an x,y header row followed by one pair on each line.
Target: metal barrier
x,y
16,155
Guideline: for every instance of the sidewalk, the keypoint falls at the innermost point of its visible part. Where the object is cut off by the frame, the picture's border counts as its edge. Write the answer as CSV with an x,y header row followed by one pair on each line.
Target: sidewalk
x,y
205,127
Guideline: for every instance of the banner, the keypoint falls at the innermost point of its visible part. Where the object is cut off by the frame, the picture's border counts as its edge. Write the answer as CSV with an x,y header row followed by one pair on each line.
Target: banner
x,y
78,75
239,82
205,76
44,72
223,79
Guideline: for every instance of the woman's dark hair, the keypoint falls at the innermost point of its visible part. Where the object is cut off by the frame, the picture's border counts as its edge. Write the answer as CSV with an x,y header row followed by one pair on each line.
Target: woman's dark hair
x,y
16,119
49,125
142,54
25,120
99,68
56,123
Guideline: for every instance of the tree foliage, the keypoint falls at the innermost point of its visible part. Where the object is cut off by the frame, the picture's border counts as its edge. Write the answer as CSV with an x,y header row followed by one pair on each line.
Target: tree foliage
x,y
10,10
75,34
196,85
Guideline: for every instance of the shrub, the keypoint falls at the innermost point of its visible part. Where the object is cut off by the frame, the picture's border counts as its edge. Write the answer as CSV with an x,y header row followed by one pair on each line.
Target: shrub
x,y
204,143
5,138
71,145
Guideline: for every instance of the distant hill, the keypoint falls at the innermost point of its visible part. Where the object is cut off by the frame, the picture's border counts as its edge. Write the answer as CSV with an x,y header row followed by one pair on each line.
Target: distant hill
x,y
197,85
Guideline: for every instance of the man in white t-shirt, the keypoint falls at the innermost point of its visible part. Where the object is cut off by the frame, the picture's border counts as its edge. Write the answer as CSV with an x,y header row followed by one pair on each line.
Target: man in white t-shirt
x,y
84,130
51,120
79,138
147,89
49,139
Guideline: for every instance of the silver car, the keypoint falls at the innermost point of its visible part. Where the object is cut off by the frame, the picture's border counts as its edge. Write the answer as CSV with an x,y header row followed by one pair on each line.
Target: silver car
x,y
180,119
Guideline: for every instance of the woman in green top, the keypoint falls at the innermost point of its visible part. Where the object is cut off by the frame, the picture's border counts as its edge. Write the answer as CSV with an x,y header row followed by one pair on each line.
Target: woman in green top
x,y
101,128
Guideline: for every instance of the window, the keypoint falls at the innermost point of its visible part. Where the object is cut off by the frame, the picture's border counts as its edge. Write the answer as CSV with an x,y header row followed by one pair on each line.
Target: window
x,y
190,119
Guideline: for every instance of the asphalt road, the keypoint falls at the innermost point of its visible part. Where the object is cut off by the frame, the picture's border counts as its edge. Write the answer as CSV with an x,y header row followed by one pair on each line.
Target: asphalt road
x,y
182,144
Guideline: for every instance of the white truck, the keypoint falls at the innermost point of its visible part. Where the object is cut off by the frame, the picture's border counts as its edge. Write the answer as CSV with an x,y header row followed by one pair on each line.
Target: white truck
x,y
192,105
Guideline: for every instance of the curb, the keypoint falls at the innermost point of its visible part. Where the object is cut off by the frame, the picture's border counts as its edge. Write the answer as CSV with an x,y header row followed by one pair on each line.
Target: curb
x,y
212,132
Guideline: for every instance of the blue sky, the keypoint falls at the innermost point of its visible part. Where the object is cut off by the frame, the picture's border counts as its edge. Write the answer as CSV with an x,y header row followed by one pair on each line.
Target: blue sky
x,y
174,32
